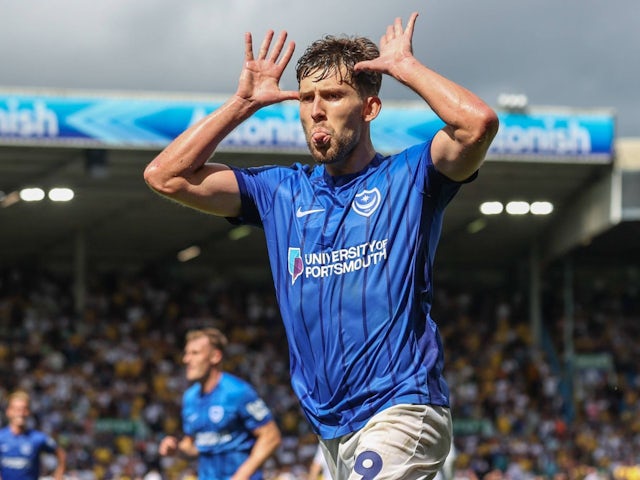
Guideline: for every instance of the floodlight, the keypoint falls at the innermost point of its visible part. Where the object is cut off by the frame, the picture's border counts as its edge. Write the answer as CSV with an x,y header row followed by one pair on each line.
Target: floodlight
x,y
32,194
541,208
517,208
60,194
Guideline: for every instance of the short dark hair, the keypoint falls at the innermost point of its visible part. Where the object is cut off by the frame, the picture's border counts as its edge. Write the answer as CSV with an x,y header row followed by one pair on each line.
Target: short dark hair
x,y
326,56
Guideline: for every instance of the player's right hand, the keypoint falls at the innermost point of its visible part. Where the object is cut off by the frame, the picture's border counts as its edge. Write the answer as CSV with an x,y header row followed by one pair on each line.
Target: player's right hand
x,y
260,77
168,445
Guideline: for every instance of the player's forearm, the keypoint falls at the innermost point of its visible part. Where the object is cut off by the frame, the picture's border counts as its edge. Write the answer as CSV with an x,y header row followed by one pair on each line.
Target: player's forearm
x,y
189,452
187,447
185,155
61,457
264,447
58,473
314,472
469,118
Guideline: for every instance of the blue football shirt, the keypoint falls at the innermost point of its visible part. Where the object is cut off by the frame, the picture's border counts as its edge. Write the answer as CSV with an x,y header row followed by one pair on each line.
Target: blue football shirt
x,y
20,454
221,423
351,258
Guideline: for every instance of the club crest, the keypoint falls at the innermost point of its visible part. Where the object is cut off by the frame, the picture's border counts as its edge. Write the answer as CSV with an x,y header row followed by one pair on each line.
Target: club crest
x,y
216,413
366,202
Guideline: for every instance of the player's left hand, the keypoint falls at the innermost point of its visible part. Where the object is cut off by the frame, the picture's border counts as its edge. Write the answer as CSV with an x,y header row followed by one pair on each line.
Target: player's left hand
x,y
395,47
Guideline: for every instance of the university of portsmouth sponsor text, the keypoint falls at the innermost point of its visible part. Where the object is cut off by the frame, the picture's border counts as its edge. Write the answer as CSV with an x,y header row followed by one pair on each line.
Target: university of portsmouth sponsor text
x,y
345,260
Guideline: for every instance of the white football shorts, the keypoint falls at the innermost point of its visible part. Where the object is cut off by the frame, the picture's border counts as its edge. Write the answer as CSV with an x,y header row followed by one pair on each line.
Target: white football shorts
x,y
403,442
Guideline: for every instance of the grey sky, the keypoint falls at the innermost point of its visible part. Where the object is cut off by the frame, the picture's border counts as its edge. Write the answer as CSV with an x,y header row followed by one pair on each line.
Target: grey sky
x,y
575,53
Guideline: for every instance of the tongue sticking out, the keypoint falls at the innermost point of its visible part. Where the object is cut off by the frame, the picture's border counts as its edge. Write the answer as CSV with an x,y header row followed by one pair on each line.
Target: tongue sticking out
x,y
320,138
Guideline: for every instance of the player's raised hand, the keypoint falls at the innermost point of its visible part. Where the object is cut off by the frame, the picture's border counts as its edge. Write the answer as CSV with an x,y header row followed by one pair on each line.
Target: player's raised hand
x,y
260,77
395,47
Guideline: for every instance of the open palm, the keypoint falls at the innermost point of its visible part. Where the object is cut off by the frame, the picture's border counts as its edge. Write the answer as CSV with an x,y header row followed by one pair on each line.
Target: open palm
x,y
395,46
260,77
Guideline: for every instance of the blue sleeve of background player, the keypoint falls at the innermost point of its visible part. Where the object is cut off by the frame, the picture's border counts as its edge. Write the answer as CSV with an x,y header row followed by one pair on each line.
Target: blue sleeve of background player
x,y
253,410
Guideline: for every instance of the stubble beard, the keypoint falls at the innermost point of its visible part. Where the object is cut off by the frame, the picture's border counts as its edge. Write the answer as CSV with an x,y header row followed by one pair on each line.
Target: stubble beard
x,y
338,152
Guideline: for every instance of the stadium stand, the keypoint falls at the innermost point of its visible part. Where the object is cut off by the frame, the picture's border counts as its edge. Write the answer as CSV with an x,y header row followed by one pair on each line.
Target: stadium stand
x,y
108,384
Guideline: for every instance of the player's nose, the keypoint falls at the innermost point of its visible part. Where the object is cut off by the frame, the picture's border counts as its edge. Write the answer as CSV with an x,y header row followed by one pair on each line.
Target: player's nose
x,y
317,109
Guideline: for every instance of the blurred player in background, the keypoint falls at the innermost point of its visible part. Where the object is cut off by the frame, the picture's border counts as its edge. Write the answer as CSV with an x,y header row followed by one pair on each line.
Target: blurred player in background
x,y
351,242
226,425
21,446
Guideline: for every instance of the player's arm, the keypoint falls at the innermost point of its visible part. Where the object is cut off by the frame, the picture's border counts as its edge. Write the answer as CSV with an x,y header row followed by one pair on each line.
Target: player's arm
x,y
170,445
316,466
314,470
268,438
61,456
181,171
459,148
187,446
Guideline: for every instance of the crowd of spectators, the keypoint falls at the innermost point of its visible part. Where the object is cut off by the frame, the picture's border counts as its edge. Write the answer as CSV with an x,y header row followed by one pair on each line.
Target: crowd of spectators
x,y
107,381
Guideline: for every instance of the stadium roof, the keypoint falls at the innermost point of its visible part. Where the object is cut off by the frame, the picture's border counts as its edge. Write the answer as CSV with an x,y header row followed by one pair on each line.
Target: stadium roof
x,y
123,224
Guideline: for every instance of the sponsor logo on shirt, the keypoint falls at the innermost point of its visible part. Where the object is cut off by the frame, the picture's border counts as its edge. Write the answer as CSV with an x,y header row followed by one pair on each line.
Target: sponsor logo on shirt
x,y
15,463
257,409
208,439
336,262
303,213
295,264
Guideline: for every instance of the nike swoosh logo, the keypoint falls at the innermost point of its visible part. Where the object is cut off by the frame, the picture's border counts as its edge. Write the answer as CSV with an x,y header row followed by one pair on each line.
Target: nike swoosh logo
x,y
303,213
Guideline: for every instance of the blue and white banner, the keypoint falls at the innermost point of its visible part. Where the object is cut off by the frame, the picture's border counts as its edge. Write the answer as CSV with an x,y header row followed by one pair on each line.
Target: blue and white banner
x,y
101,121
555,137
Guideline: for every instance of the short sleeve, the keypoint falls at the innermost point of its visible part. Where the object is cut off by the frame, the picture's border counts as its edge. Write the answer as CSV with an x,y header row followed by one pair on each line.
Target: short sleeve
x,y
253,410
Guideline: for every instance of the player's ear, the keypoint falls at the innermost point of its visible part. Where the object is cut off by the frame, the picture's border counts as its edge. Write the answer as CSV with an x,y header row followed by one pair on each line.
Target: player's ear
x,y
216,356
371,108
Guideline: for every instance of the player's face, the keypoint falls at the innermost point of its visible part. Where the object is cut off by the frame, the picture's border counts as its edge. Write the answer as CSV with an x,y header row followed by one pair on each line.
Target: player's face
x,y
199,358
18,412
331,113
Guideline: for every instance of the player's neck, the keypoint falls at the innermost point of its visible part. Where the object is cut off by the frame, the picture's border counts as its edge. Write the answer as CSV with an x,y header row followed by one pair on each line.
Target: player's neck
x,y
17,429
357,160
211,381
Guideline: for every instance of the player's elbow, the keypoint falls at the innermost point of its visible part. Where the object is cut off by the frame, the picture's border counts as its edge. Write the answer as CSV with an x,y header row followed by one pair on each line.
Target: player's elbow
x,y
158,181
486,124
273,436
276,439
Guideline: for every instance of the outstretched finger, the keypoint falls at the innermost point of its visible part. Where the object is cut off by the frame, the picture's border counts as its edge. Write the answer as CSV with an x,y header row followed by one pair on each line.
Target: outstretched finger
x,y
264,47
411,23
288,53
248,47
397,27
390,32
277,48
